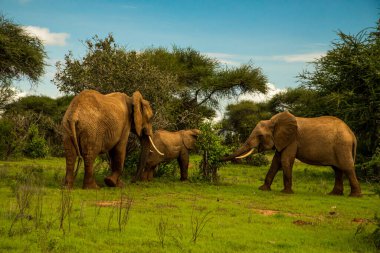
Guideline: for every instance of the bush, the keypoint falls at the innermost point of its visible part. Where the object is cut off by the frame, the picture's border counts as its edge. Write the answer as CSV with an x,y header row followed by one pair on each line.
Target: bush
x,y
168,170
259,159
36,147
210,144
370,169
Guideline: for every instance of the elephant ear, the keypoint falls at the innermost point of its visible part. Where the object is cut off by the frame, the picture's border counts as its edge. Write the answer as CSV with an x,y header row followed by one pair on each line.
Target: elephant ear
x,y
189,137
137,112
285,129
142,113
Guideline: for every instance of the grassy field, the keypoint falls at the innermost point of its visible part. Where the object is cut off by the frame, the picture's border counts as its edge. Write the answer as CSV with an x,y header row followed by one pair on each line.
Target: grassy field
x,y
172,216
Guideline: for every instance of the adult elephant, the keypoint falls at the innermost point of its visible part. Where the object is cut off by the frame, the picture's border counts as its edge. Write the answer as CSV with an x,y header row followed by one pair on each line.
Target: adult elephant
x,y
318,141
95,123
175,145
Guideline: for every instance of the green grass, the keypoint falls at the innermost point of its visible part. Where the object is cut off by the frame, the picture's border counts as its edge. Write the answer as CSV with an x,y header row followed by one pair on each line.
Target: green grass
x,y
236,216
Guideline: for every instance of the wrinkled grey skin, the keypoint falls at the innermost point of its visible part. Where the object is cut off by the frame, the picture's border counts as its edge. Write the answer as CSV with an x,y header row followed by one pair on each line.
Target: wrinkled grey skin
x,y
324,141
175,145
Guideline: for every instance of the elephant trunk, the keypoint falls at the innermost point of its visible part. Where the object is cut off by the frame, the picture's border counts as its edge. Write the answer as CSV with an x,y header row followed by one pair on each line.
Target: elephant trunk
x,y
240,153
145,144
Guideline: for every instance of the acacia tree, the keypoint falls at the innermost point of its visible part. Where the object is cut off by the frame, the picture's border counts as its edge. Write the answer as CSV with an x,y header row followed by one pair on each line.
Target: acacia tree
x,y
202,81
183,85
347,84
21,55
242,117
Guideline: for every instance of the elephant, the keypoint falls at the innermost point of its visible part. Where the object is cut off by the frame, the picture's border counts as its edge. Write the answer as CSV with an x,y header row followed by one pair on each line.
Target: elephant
x,y
324,141
95,123
174,145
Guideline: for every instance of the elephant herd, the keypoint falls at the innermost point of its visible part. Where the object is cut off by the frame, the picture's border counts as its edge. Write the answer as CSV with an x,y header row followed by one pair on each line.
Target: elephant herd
x,y
95,123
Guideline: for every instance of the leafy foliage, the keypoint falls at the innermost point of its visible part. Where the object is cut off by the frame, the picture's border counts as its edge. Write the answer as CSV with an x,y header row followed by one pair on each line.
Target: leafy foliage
x,y
347,85
210,144
36,146
182,84
242,117
44,112
21,55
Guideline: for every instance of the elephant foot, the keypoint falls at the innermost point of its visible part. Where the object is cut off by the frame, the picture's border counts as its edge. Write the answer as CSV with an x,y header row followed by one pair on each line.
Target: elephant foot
x,y
120,183
355,194
336,192
287,191
91,185
68,185
110,181
264,187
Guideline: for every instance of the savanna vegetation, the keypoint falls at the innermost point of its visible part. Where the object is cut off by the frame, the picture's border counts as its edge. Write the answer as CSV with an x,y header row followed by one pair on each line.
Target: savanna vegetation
x,y
220,208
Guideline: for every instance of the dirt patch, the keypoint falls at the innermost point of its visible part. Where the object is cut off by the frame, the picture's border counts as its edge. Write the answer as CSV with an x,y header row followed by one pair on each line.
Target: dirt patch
x,y
268,212
302,222
111,203
170,206
107,203
360,220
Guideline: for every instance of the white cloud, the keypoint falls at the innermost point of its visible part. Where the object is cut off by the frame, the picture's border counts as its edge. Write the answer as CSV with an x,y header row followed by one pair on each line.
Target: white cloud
x,y
308,57
47,37
228,59
236,60
255,97
258,97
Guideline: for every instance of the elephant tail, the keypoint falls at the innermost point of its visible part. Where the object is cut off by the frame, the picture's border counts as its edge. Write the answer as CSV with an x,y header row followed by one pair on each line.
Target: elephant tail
x,y
354,150
74,139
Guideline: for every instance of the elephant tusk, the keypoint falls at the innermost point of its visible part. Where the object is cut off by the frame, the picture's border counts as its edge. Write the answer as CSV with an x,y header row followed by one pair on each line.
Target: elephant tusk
x,y
154,146
245,155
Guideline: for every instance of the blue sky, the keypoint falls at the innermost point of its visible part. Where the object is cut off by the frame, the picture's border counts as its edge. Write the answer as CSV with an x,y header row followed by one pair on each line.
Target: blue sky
x,y
278,36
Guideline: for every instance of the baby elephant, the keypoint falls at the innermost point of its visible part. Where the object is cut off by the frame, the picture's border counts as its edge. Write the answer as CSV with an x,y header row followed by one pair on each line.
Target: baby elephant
x,y
173,145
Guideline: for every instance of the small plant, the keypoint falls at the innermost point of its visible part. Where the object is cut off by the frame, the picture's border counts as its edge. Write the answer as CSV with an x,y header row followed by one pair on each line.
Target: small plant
x,y
27,188
65,208
168,170
36,146
198,222
376,233
258,160
124,210
211,146
161,230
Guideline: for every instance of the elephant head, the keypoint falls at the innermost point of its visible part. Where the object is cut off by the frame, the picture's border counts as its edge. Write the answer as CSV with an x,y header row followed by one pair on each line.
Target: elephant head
x,y
142,116
189,137
278,132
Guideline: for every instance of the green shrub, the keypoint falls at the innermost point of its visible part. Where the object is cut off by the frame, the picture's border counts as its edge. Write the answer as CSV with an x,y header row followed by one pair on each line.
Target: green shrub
x,y
210,144
369,169
168,170
259,159
11,143
36,147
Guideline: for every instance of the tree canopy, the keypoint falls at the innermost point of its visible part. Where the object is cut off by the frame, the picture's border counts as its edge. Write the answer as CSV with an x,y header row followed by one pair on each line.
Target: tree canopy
x,y
21,55
183,84
346,84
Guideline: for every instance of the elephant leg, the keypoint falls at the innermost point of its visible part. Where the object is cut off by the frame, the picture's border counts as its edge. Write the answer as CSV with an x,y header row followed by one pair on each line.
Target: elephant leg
x,y
183,161
287,161
274,167
147,174
144,175
151,172
354,183
89,179
71,155
346,164
117,155
338,187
